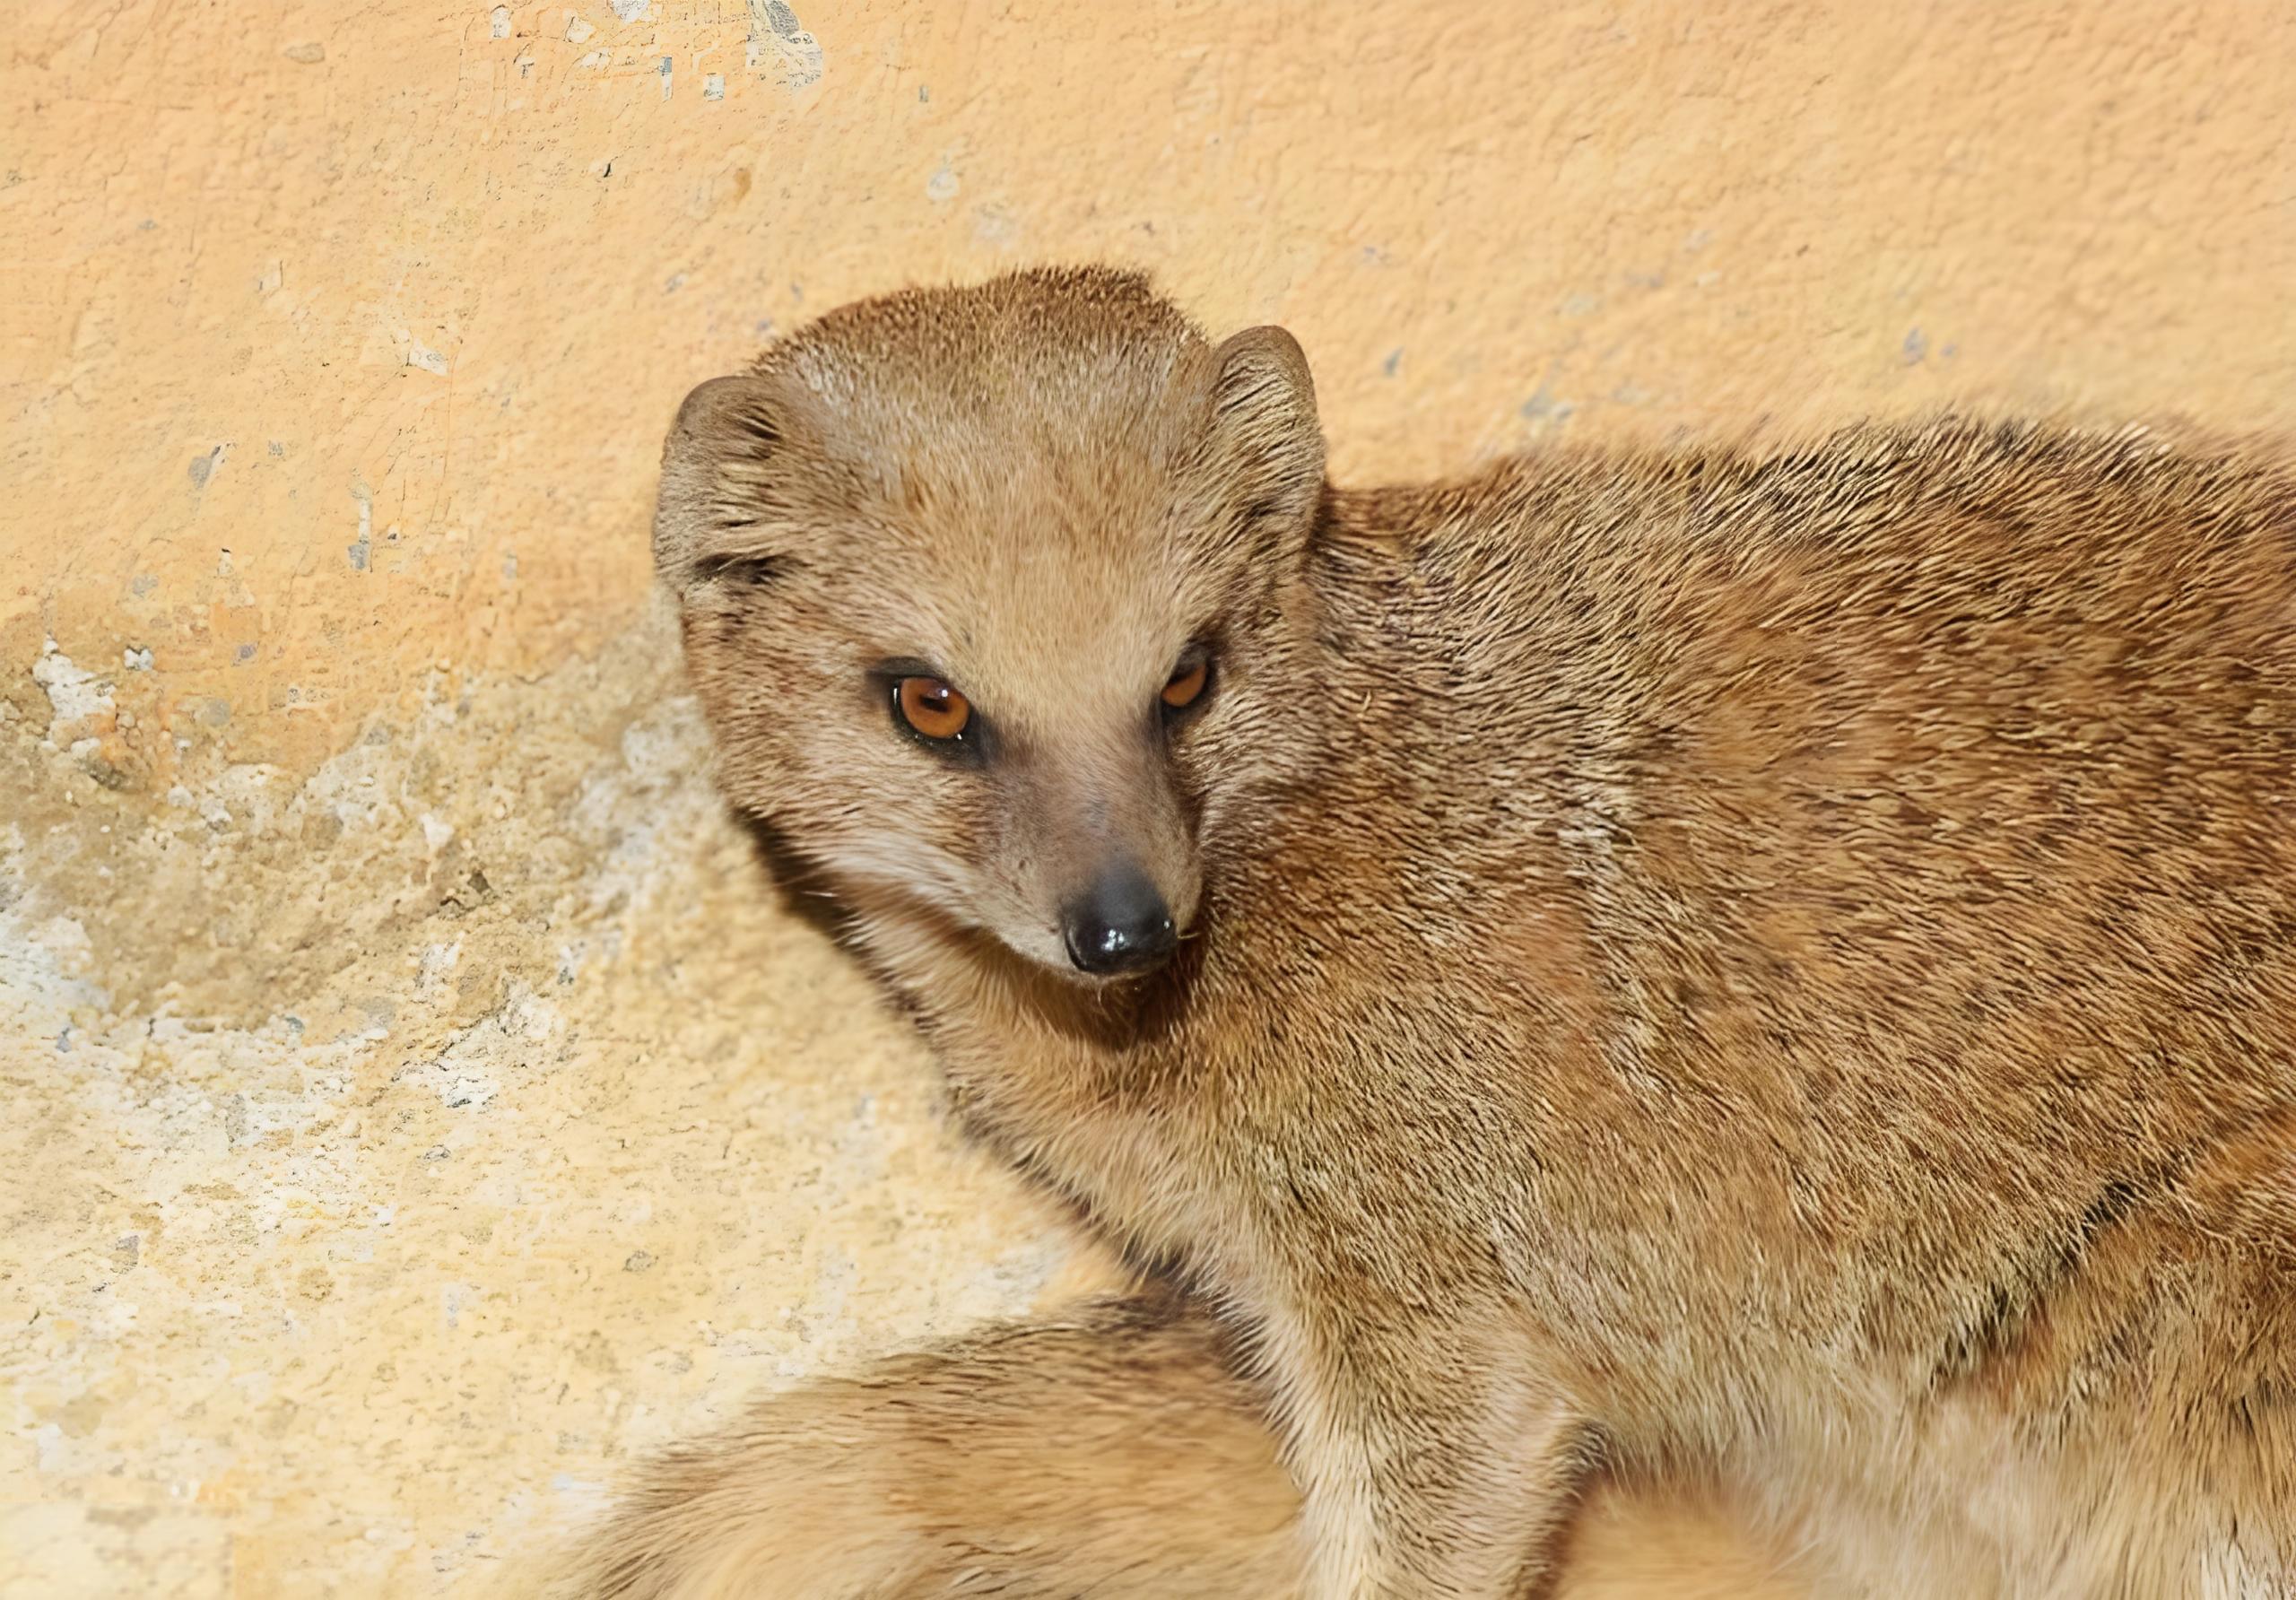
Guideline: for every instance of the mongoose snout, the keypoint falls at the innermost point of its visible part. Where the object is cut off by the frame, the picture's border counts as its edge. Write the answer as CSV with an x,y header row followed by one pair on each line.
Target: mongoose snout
x,y
1120,924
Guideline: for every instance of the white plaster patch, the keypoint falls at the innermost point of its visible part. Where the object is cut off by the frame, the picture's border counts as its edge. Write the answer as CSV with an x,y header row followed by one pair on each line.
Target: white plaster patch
x,y
43,962
655,798
469,1072
438,961
249,792
74,694
456,1084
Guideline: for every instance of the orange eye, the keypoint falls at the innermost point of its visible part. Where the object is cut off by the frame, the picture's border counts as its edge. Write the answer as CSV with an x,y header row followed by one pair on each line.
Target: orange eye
x,y
931,707
1186,685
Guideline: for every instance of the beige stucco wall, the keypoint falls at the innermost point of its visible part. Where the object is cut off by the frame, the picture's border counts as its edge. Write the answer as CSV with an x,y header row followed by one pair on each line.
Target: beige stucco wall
x,y
414,1103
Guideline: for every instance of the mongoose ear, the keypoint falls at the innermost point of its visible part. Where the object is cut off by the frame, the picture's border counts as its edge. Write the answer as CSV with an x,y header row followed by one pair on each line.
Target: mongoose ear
x,y
715,517
1263,425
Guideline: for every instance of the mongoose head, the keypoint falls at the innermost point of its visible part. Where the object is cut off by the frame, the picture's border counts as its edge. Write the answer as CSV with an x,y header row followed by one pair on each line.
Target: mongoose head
x,y
988,594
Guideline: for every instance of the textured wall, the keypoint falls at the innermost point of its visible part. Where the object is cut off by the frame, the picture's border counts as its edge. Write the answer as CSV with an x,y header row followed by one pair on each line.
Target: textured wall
x,y
416,1102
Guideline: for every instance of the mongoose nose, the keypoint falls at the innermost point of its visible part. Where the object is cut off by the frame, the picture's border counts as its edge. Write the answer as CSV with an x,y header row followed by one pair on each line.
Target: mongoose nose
x,y
1120,924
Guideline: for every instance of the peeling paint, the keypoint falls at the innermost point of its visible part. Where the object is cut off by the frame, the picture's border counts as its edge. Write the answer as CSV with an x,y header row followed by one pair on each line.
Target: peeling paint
x,y
776,35
322,1085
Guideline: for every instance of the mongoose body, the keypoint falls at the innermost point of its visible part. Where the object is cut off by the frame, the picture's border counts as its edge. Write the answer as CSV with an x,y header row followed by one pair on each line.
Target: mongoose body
x,y
1768,972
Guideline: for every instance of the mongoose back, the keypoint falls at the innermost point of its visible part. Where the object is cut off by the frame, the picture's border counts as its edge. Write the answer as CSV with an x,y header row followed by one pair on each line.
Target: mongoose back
x,y
1767,975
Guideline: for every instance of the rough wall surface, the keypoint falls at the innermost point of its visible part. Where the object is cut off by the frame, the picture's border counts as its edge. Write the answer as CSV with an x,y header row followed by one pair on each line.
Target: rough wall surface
x,y
416,1100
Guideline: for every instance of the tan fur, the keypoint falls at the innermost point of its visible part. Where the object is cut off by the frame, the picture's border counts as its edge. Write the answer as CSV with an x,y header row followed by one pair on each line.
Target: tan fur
x,y
1114,1453
1773,979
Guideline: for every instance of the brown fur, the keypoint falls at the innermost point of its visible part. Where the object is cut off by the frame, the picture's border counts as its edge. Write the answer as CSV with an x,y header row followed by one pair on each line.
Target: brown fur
x,y
1774,972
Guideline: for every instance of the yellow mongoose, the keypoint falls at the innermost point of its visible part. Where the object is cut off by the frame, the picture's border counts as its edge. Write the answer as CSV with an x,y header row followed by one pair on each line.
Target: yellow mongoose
x,y
1774,975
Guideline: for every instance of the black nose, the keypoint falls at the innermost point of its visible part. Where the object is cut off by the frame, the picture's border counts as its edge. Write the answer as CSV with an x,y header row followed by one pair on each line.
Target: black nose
x,y
1120,924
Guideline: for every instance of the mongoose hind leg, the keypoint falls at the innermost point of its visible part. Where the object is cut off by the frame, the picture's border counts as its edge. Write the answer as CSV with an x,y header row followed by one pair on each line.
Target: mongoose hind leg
x,y
1112,1453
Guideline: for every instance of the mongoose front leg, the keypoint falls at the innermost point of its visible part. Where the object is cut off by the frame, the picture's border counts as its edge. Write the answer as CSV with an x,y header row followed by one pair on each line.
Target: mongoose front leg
x,y
1434,1467
1112,1454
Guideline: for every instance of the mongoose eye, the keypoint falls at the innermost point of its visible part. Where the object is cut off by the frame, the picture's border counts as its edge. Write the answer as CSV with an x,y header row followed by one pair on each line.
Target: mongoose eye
x,y
1187,684
932,709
